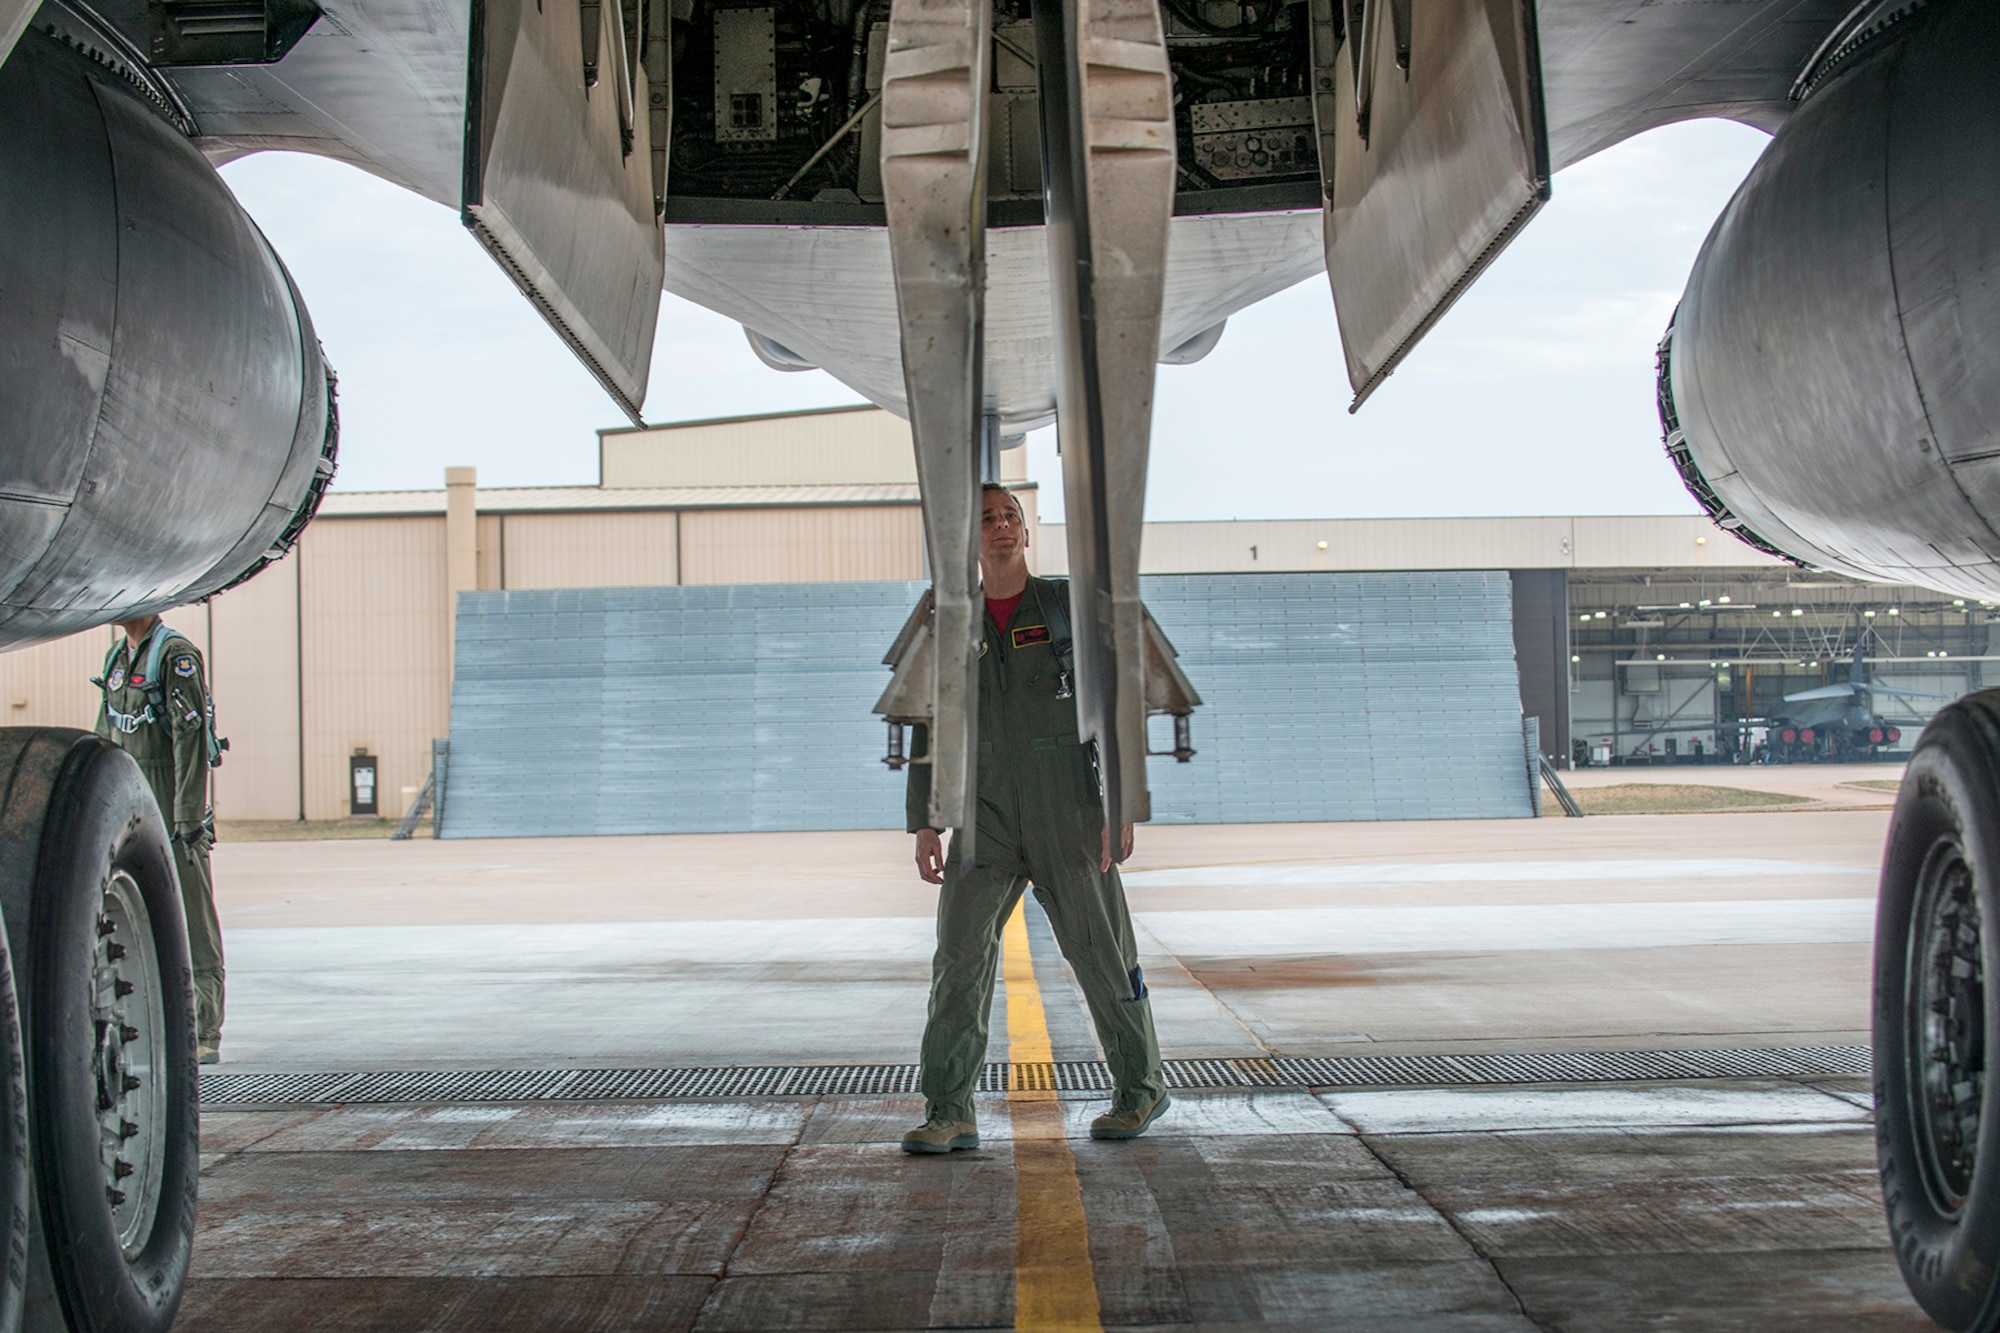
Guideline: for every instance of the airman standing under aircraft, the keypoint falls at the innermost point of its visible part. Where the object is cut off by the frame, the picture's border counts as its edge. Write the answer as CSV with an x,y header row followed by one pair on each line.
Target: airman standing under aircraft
x,y
1040,820
156,709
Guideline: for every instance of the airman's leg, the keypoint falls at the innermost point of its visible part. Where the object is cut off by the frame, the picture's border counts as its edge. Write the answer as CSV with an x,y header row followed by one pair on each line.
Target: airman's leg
x,y
1087,909
204,943
972,908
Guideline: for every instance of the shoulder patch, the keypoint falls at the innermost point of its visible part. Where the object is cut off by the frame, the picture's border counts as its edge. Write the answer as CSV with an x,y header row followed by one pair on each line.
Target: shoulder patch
x,y
184,665
1028,634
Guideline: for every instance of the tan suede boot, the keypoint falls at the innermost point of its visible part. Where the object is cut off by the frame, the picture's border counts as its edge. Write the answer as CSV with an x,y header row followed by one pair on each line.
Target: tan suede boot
x,y
940,1135
1128,1122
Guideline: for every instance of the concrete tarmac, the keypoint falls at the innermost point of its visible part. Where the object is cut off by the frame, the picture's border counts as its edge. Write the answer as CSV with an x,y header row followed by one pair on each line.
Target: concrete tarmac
x,y
1707,1204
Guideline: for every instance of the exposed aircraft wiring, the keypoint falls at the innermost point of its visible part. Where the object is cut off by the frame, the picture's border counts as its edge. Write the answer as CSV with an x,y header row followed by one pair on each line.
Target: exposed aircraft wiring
x,y
1189,12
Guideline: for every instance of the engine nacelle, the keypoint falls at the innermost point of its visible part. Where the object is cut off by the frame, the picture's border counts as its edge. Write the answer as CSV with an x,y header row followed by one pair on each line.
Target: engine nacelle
x,y
166,420
1831,382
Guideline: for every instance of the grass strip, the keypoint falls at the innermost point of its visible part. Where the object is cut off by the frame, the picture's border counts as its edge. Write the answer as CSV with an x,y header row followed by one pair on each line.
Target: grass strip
x,y
1672,798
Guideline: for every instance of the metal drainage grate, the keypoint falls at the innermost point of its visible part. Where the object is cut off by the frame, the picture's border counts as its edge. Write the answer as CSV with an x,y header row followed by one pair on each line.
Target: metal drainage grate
x,y
756,1081
1573,1067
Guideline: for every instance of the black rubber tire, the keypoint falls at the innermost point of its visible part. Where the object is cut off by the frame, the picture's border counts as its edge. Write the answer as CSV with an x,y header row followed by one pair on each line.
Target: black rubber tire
x,y
1937,1020
14,1224
103,823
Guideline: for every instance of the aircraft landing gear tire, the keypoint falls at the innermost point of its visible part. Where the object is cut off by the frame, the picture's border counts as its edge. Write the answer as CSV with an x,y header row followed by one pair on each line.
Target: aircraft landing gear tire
x,y
108,1012
1935,1019
14,1167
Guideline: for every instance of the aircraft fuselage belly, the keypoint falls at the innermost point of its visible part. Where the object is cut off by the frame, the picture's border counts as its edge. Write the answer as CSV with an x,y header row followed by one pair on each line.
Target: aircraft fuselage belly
x,y
826,293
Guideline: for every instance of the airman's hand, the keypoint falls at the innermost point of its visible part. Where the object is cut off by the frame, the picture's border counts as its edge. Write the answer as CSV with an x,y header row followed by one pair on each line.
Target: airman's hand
x,y
1124,847
930,855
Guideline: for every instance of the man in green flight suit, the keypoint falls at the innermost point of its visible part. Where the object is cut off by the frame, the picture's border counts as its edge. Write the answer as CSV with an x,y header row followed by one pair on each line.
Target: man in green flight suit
x,y
1040,821
163,724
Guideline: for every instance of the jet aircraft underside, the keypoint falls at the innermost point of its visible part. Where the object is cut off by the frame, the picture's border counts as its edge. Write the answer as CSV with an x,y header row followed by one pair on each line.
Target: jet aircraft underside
x,y
983,214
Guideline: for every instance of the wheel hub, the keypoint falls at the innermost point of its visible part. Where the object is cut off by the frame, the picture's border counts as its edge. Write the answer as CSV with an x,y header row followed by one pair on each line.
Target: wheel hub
x,y
1948,1044
129,1018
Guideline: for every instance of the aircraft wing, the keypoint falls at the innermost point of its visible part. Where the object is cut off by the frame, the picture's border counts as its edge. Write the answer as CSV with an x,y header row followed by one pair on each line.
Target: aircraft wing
x,y
1910,694
1823,692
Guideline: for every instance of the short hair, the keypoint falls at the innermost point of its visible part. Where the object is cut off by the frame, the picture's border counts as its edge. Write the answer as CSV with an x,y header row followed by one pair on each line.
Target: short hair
x,y
987,488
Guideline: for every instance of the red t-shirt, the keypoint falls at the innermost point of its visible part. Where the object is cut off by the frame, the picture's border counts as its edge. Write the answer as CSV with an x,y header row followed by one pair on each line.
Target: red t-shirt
x,y
1002,608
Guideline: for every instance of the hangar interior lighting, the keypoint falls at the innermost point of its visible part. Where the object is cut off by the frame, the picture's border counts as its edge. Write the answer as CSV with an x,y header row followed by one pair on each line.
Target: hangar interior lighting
x,y
1322,546
1895,610
1724,599
1798,610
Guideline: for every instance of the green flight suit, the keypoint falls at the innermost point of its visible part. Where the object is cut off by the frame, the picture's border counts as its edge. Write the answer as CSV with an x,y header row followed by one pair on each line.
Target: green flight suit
x,y
1039,820
172,752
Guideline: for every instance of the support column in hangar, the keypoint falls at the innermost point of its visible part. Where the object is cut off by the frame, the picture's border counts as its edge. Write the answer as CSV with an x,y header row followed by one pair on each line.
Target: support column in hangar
x,y
1541,653
461,544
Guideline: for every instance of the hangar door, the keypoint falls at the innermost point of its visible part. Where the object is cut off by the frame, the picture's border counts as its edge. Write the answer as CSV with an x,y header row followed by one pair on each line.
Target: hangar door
x,y
746,708
719,709
1344,696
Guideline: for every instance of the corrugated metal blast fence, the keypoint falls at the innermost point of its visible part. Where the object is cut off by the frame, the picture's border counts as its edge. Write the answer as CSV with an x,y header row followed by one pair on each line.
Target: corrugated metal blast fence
x,y
745,708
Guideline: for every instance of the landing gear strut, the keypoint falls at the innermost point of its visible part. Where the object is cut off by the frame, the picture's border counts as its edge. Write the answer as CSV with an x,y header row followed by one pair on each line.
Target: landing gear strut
x,y
1106,97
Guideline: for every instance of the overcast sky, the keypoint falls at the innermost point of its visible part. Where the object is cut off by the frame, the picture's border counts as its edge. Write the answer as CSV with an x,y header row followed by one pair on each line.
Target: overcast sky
x,y
1533,396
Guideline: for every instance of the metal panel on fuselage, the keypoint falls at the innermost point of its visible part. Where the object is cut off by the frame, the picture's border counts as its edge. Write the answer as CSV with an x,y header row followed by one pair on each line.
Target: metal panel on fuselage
x,y
826,292
1439,157
559,183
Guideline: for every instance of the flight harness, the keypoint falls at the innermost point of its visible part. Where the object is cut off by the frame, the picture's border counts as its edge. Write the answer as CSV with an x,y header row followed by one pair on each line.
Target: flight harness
x,y
156,692
1062,641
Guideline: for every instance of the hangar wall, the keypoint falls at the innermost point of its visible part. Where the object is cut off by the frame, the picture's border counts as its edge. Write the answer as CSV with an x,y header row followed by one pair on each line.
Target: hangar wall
x,y
746,708
345,645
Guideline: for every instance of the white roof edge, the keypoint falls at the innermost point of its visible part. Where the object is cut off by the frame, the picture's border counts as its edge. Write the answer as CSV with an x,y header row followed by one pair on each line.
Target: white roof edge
x,y
557,499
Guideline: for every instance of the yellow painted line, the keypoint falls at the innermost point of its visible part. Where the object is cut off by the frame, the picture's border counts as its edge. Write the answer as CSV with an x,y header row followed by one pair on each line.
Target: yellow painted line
x,y
1055,1287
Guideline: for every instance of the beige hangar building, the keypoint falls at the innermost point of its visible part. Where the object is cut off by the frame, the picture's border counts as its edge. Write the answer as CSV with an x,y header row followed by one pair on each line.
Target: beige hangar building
x,y
344,647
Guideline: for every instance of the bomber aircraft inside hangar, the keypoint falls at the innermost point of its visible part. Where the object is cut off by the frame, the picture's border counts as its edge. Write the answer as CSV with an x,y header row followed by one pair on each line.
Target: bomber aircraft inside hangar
x,y
985,217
